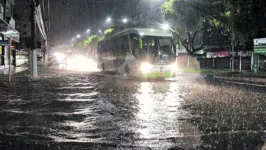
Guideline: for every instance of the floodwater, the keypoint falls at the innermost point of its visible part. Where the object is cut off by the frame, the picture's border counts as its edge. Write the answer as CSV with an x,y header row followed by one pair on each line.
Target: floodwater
x,y
68,110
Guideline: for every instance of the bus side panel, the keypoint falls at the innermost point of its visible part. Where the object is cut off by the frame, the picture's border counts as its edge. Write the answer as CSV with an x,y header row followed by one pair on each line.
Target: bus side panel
x,y
120,50
130,60
128,56
106,57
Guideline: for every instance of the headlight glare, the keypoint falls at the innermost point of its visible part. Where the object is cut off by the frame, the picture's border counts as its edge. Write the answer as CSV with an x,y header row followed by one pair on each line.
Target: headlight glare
x,y
173,67
145,68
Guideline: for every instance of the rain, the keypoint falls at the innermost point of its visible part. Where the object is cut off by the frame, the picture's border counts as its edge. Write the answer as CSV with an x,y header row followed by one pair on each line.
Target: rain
x,y
115,74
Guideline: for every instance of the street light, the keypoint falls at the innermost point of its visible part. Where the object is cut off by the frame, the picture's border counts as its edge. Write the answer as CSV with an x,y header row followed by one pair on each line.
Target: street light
x,y
165,26
72,39
108,19
125,20
88,31
78,36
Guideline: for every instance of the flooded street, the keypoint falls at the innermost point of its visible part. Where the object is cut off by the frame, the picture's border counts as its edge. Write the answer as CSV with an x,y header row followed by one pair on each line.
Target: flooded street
x,y
66,110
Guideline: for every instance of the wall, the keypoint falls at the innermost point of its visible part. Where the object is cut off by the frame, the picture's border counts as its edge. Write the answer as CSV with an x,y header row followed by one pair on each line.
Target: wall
x,y
24,28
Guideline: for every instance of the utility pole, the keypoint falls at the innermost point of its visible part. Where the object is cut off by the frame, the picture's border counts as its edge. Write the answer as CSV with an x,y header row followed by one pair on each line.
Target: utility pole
x,y
34,4
233,56
10,61
233,49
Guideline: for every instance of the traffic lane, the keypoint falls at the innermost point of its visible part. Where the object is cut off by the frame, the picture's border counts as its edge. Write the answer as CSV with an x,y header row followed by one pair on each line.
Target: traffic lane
x,y
107,111
93,108
228,111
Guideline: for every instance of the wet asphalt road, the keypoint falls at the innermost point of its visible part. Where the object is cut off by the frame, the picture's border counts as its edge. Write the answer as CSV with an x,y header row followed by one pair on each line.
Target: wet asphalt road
x,y
67,110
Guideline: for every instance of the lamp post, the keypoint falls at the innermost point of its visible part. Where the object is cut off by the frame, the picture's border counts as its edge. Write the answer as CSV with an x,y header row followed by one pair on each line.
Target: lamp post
x,y
34,4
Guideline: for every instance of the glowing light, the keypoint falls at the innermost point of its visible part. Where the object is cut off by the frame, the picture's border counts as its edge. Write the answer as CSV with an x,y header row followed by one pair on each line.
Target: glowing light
x,y
166,26
59,56
88,31
173,67
145,68
125,20
81,63
141,33
108,19
78,36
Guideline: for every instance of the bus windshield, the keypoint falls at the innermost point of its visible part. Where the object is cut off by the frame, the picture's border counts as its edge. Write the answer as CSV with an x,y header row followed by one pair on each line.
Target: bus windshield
x,y
157,49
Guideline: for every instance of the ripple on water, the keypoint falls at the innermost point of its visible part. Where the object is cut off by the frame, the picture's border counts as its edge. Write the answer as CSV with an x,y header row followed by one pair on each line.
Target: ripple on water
x,y
160,117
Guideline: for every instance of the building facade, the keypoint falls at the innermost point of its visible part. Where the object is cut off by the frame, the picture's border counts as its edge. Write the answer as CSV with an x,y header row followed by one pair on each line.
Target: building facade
x,y
8,32
24,28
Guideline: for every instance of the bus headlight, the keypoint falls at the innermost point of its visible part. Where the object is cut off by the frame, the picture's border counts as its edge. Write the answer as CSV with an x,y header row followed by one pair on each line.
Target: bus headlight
x,y
145,67
173,67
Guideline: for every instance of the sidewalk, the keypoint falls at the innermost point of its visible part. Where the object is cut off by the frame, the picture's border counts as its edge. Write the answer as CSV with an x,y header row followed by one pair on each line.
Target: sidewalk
x,y
244,79
14,70
244,76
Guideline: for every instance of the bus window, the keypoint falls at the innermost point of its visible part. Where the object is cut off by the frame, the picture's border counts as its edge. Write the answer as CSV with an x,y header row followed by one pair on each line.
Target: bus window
x,y
149,45
135,46
165,46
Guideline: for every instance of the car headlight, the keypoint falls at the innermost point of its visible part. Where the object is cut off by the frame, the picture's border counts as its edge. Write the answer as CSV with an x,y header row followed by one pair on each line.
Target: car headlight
x,y
173,67
59,56
145,67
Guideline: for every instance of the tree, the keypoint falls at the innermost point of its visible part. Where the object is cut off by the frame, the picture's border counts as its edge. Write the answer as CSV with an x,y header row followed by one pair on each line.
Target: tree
x,y
242,21
107,33
91,42
189,23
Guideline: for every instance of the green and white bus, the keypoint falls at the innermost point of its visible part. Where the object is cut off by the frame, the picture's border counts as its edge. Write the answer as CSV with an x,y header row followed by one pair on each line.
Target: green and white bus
x,y
139,52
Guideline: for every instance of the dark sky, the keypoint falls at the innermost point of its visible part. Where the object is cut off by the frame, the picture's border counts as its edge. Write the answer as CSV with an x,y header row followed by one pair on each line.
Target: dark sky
x,y
72,17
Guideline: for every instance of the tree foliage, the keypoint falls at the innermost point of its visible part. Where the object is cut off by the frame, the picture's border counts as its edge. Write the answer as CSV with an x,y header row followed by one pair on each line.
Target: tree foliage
x,y
107,33
241,20
188,20
92,41
194,21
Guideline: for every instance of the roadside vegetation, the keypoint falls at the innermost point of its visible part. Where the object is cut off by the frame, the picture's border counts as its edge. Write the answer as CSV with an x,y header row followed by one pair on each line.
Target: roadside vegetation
x,y
194,22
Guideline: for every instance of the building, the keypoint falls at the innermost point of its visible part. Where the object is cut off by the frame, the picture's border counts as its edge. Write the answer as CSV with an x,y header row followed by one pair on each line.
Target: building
x,y
218,54
24,28
259,55
7,31
22,16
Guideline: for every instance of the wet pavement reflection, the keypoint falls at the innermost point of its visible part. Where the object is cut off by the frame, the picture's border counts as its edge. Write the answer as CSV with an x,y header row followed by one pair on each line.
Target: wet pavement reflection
x,y
66,110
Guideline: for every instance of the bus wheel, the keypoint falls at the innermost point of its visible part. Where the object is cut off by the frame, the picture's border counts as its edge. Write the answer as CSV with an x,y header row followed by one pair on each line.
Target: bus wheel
x,y
127,69
103,66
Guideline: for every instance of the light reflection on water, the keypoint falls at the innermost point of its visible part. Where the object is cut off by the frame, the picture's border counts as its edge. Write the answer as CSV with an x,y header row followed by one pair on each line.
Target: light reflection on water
x,y
89,109
159,114
156,123
148,114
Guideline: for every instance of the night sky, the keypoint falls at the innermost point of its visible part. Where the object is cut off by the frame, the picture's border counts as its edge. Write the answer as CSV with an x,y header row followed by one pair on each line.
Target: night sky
x,y
72,17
